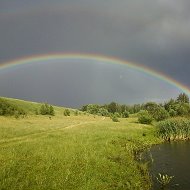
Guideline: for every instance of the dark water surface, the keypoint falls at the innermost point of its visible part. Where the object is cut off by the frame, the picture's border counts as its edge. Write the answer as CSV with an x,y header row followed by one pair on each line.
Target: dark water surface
x,y
172,159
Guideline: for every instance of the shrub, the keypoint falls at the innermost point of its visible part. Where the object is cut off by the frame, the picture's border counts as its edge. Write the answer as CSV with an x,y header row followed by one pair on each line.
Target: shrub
x,y
114,118
160,114
125,114
144,117
51,110
8,109
66,112
183,109
76,113
103,112
117,114
172,112
47,109
92,108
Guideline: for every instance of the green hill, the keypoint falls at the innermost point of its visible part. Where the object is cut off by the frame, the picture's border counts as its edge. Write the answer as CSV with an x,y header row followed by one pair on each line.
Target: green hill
x,y
27,106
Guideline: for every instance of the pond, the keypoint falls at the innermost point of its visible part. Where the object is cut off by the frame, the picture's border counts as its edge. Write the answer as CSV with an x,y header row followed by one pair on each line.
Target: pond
x,y
172,159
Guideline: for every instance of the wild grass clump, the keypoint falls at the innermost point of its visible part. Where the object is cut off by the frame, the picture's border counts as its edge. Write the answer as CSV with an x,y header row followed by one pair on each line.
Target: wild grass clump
x,y
174,129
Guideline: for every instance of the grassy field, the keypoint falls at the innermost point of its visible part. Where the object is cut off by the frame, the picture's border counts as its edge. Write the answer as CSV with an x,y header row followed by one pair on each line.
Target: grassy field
x,y
76,152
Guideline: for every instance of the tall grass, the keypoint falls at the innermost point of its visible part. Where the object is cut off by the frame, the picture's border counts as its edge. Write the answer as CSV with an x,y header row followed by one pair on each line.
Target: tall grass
x,y
174,129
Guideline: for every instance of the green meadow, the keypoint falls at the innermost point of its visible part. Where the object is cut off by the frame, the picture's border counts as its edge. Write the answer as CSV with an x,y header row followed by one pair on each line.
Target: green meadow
x,y
76,152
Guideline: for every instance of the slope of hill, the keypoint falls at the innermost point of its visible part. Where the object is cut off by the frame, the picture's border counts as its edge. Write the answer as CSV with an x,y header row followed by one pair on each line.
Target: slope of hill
x,y
28,106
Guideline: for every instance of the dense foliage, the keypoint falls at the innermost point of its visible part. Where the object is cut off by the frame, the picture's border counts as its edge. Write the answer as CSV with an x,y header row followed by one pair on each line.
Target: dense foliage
x,y
174,129
8,109
154,111
145,117
47,109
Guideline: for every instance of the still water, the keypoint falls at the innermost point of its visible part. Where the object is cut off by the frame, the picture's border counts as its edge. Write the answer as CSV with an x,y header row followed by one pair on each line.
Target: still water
x,y
172,159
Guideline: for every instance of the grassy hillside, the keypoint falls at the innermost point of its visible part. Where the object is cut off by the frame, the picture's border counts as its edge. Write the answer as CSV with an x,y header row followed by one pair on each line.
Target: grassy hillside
x,y
30,107
73,153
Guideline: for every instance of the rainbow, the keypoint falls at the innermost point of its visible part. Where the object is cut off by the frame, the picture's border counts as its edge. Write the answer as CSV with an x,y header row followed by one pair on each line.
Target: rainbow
x,y
95,58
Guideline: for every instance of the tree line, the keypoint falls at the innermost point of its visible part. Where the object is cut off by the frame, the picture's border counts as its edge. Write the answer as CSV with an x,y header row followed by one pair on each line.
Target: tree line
x,y
147,112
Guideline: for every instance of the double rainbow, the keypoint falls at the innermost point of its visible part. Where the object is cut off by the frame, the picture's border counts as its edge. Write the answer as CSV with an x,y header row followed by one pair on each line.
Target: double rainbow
x,y
95,58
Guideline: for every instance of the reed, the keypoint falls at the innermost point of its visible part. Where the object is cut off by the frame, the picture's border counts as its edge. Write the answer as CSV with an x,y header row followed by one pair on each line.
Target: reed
x,y
164,179
174,129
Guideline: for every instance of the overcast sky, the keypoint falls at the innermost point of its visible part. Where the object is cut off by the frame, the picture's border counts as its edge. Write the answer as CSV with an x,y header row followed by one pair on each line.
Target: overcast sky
x,y
151,33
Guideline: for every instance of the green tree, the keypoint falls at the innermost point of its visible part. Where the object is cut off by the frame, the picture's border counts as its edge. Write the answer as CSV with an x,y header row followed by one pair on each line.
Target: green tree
x,y
123,108
183,98
170,105
84,108
160,114
103,112
93,108
136,108
112,107
151,107
183,109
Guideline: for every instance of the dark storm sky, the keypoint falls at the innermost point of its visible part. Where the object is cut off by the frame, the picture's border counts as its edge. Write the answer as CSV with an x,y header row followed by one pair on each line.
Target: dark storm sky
x,y
151,33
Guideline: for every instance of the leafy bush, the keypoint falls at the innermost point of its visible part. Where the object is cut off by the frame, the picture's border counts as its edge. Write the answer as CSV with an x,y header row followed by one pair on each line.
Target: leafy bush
x,y
160,114
117,114
114,118
7,109
93,108
66,112
103,112
172,112
144,117
47,109
183,109
125,114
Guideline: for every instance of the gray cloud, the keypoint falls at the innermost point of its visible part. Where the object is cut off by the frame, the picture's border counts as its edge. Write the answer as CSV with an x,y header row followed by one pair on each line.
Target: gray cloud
x,y
152,33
